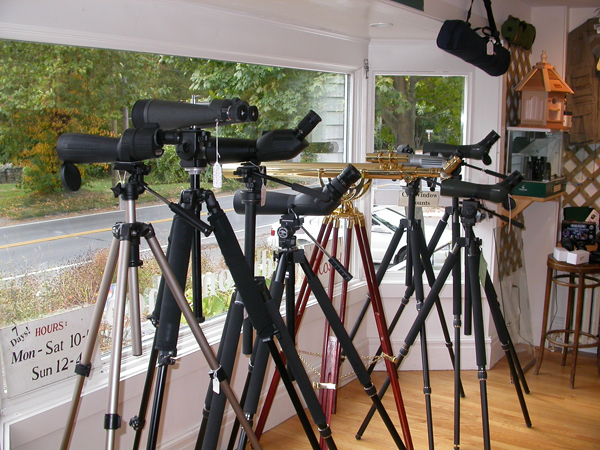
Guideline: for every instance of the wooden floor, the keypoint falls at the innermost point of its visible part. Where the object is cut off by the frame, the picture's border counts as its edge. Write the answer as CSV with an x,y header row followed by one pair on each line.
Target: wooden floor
x,y
562,418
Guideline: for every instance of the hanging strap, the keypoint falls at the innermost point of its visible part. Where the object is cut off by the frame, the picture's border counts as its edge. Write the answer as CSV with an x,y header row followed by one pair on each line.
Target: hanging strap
x,y
469,12
491,28
492,23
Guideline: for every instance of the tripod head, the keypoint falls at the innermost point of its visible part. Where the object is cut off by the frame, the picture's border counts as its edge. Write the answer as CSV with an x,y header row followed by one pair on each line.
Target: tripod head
x,y
289,224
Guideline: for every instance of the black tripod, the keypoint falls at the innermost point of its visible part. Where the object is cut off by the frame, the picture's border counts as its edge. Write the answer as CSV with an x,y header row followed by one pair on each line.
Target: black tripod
x,y
126,242
469,214
418,261
209,432
184,239
288,256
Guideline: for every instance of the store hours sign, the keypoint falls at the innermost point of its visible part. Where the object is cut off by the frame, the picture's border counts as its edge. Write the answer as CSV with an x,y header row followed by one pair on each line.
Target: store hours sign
x,y
44,351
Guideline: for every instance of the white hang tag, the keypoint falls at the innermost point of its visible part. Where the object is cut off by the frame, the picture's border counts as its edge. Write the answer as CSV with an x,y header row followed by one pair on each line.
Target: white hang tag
x,y
217,176
216,387
490,48
263,195
483,269
217,169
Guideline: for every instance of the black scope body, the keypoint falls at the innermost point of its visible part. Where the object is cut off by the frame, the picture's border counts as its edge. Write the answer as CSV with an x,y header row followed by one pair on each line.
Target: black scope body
x,y
277,203
173,115
479,151
496,193
139,144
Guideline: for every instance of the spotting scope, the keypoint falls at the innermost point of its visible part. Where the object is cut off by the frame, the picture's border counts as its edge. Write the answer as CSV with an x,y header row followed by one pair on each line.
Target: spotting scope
x,y
139,144
479,151
304,204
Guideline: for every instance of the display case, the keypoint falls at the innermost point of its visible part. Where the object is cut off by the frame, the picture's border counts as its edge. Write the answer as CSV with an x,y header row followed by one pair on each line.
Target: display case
x,y
538,154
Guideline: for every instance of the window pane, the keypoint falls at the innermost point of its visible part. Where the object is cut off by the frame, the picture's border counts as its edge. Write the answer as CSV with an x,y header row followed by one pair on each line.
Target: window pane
x,y
411,110
51,265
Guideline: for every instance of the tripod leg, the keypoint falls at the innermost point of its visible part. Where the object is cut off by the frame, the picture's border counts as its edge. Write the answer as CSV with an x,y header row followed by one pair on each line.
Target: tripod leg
x,y
381,270
84,365
473,256
418,284
329,362
457,312
201,339
349,350
417,325
112,421
504,336
428,269
229,343
209,391
384,336
138,422
315,260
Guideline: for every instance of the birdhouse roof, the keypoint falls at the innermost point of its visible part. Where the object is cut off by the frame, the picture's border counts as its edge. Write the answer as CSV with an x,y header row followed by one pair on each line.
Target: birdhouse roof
x,y
543,77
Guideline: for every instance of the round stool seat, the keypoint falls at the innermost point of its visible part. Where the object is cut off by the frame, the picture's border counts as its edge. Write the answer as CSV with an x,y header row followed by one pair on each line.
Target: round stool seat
x,y
578,277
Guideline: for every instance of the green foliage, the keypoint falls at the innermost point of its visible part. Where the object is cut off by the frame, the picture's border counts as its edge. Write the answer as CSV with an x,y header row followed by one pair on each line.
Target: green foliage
x,y
48,90
167,169
408,106
283,96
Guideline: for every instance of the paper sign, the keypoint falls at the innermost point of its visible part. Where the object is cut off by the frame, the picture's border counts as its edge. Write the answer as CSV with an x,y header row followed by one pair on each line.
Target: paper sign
x,y
44,351
423,199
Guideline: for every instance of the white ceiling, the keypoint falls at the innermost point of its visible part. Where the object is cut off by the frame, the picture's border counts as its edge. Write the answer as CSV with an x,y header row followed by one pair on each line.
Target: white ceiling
x,y
353,18
350,18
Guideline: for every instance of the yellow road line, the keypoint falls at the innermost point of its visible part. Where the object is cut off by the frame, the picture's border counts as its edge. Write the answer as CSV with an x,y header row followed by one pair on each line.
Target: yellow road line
x,y
83,233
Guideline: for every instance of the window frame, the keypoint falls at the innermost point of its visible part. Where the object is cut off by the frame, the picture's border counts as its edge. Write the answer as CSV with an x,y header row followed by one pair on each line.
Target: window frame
x,y
29,402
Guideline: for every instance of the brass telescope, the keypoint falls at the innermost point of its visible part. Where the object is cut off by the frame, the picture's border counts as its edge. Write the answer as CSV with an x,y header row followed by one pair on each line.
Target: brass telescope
x,y
381,165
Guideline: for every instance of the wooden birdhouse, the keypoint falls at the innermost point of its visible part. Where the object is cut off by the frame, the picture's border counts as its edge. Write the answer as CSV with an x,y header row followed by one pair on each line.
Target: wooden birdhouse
x,y
543,96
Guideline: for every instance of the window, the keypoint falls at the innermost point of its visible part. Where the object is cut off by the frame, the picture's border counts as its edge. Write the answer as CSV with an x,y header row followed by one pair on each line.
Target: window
x,y
53,264
409,111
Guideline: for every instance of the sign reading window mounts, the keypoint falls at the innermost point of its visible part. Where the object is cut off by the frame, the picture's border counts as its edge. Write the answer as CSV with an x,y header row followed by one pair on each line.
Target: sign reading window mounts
x,y
44,351
424,199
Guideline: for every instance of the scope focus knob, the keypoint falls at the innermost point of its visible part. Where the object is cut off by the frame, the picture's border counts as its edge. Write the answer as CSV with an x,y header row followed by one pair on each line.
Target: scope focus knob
x,y
283,232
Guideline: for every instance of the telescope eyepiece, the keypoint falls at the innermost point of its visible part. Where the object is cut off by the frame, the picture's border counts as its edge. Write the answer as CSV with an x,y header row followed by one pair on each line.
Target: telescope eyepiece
x,y
306,125
340,184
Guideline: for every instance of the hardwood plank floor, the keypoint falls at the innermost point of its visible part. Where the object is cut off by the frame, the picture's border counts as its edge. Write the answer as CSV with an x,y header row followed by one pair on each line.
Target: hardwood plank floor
x,y
562,418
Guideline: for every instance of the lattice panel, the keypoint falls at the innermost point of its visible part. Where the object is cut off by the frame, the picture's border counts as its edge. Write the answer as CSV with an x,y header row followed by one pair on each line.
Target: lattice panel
x,y
510,250
581,169
519,67
511,243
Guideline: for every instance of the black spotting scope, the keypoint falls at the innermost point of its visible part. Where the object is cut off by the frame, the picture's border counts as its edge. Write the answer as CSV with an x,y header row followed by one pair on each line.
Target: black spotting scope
x,y
497,193
277,203
173,115
478,151
139,144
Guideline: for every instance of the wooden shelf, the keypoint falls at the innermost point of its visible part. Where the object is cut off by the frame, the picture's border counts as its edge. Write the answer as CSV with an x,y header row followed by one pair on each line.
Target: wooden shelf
x,y
523,202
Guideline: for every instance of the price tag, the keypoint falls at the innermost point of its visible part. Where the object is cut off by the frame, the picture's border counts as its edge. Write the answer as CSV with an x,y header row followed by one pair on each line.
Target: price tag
x,y
217,176
216,386
483,269
263,195
44,351
490,48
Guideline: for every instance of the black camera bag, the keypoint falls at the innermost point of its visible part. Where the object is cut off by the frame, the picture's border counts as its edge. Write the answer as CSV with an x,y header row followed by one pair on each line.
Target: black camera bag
x,y
482,50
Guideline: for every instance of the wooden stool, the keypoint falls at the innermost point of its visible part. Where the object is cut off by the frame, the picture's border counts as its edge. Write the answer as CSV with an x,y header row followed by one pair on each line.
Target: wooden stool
x,y
583,272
